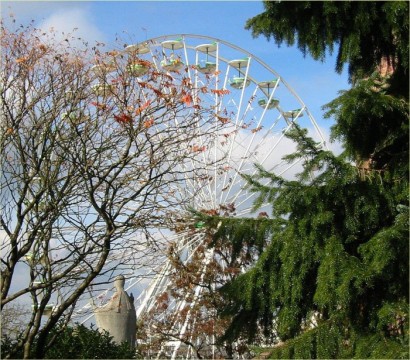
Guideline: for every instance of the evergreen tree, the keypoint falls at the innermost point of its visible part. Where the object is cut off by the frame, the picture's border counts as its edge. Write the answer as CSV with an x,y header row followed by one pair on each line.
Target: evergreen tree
x,y
337,259
363,32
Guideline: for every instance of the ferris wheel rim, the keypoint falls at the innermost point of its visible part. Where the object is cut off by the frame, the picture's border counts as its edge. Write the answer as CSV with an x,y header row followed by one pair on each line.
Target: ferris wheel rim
x,y
182,40
249,54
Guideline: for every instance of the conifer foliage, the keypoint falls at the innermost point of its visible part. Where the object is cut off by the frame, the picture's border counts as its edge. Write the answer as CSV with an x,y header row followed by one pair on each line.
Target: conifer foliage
x,y
363,32
333,280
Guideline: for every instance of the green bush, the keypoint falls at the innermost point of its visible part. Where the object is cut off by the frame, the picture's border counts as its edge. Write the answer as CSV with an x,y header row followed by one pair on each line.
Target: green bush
x,y
84,343
7,345
304,346
79,342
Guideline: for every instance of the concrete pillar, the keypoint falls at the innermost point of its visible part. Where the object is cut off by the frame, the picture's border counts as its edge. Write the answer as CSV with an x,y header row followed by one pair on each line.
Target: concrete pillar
x,y
118,316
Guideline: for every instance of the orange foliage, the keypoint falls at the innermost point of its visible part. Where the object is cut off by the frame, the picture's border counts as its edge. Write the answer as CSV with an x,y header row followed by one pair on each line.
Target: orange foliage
x,y
197,148
186,82
263,214
113,53
100,106
157,92
142,62
220,91
256,129
187,99
142,107
223,120
123,118
21,60
149,123
211,212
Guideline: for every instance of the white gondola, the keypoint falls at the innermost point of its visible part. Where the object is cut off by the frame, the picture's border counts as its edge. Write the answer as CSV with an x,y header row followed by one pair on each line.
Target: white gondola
x,y
268,104
139,49
239,82
268,84
205,66
206,48
48,309
239,64
137,69
172,64
103,69
292,114
102,89
75,116
265,102
173,44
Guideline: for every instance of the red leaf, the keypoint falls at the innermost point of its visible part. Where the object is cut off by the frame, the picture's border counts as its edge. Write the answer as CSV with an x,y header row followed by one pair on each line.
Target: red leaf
x,y
123,118
143,107
187,99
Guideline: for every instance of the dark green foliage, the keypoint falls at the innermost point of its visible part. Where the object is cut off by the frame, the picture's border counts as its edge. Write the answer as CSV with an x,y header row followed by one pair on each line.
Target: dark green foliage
x,y
288,352
7,346
304,346
79,343
371,123
338,247
246,231
363,32
328,342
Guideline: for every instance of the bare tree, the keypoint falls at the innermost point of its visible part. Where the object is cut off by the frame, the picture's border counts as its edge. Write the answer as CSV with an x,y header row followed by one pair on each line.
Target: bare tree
x,y
13,319
93,144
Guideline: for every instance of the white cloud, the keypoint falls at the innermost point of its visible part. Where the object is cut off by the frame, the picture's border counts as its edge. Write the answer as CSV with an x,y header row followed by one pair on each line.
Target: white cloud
x,y
74,21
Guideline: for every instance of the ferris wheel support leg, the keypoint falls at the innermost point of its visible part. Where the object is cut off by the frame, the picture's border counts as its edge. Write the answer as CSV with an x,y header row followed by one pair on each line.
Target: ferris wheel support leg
x,y
208,257
148,297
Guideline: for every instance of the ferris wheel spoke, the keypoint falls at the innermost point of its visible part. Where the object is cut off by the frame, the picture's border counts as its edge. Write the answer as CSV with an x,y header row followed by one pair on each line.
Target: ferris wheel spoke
x,y
233,143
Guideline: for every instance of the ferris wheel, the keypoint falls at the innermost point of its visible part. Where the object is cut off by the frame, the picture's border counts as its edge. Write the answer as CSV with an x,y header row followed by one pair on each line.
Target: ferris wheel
x,y
257,108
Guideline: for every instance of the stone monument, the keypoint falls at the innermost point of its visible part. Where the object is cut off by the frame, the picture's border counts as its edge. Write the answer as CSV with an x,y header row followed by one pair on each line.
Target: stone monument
x,y
118,316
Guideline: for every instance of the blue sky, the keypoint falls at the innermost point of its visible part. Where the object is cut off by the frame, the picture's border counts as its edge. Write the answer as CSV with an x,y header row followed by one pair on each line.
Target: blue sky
x,y
315,82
